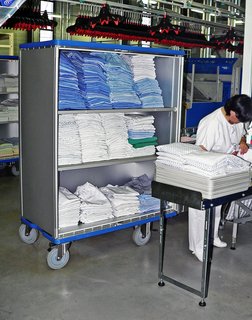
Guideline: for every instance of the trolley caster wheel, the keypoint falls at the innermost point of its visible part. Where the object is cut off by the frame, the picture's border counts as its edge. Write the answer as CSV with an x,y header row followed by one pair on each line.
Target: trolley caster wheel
x,y
233,248
30,237
161,283
14,171
202,303
139,238
54,262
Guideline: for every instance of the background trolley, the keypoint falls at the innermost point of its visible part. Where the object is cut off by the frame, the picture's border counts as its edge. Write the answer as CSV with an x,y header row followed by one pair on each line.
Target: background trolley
x,y
41,173
9,155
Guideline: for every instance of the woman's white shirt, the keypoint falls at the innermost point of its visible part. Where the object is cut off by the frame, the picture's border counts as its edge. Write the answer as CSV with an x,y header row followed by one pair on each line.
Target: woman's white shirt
x,y
216,134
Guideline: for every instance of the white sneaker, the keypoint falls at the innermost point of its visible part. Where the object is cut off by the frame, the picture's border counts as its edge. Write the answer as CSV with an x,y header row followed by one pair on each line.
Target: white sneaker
x,y
199,256
219,244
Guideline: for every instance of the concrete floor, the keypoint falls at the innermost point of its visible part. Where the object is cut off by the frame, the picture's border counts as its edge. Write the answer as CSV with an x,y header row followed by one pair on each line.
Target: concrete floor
x,y
110,278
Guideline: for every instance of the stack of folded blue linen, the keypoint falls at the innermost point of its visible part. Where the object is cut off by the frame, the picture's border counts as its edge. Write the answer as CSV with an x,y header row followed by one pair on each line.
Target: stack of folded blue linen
x,y
149,93
146,85
120,81
148,203
142,185
69,93
92,79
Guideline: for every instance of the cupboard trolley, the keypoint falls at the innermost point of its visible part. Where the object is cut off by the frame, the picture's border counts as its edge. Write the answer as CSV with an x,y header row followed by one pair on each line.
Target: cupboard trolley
x,y
41,172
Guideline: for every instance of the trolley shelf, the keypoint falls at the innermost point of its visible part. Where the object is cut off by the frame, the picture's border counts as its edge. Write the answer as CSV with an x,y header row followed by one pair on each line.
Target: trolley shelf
x,y
105,163
9,121
6,160
142,110
88,230
9,92
112,224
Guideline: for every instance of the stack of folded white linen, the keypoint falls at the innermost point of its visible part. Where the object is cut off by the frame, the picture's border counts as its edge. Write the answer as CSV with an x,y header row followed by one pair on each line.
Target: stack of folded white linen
x,y
92,137
123,199
10,109
141,152
143,67
94,204
140,126
6,149
4,114
116,135
213,174
69,208
11,82
12,113
15,144
69,140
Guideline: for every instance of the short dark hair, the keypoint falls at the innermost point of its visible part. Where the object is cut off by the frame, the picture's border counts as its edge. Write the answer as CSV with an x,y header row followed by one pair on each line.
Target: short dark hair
x,y
241,104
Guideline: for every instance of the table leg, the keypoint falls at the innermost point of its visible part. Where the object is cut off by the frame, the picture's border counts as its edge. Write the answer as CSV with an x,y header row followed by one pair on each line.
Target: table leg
x,y
207,254
162,234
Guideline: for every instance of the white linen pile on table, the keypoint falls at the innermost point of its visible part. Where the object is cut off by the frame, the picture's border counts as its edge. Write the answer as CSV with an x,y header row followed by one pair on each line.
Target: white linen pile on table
x,y
92,137
116,135
211,173
178,149
123,199
193,159
213,163
69,208
69,140
94,204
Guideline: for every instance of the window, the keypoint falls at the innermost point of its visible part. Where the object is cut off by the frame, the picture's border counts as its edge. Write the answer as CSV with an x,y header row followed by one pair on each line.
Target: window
x,y
46,34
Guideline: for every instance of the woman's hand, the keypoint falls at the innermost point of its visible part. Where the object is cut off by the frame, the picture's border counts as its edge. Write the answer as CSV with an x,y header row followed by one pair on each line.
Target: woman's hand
x,y
243,147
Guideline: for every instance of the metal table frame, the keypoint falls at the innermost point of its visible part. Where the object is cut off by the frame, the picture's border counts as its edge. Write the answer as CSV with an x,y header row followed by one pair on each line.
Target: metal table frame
x,y
237,219
193,199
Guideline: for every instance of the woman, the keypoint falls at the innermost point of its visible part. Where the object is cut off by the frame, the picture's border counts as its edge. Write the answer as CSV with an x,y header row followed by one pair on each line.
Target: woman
x,y
221,131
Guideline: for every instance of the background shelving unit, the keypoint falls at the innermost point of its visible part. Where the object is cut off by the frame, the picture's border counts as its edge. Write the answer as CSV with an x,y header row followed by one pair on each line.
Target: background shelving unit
x,y
9,68
7,42
41,176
